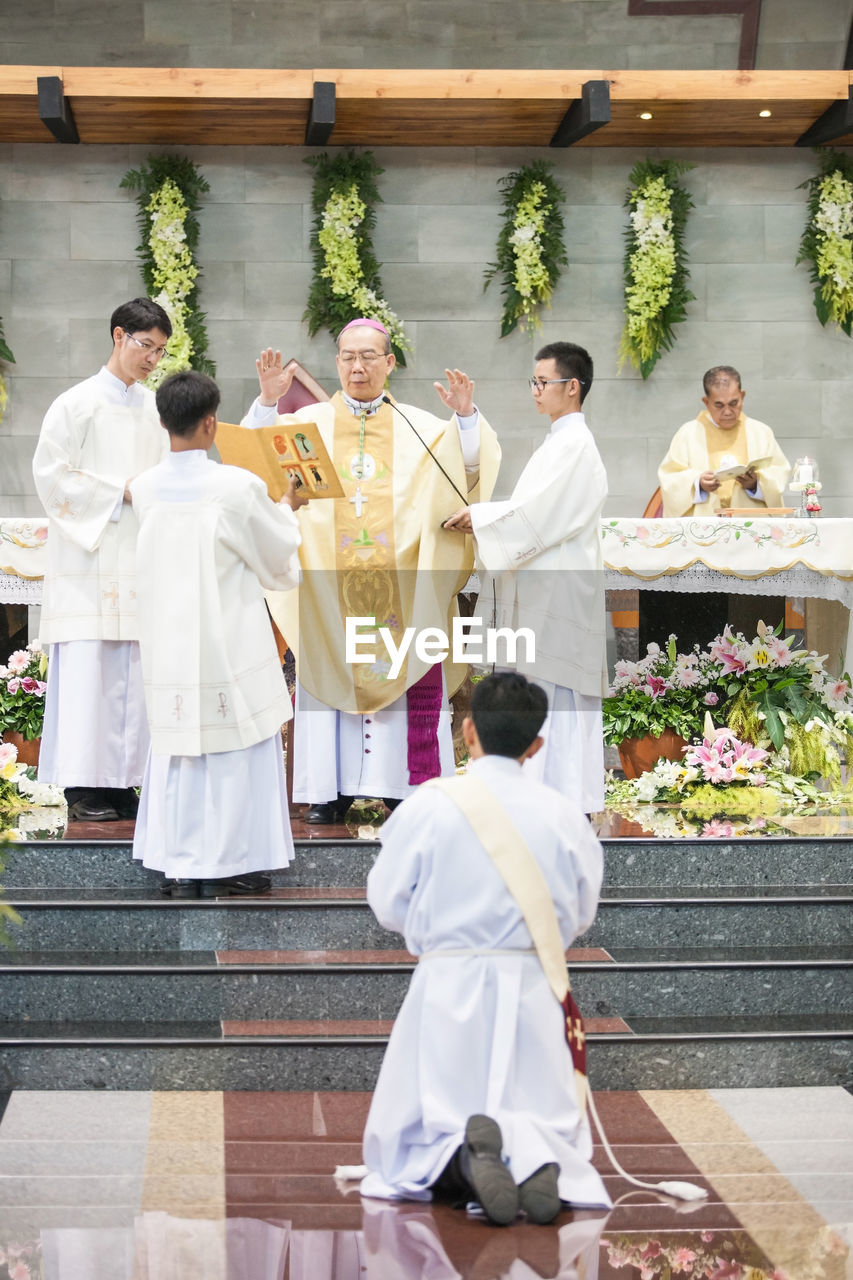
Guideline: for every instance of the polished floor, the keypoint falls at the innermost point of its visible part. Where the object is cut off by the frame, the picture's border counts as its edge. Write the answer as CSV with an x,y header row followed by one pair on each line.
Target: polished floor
x,y
240,1186
666,822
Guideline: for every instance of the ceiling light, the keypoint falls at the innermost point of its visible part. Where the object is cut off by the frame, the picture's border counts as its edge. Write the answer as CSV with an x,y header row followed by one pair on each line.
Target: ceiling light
x,y
765,113
645,115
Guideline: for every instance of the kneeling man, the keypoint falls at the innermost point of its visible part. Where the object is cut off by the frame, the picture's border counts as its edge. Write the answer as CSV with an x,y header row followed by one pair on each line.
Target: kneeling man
x,y
476,1098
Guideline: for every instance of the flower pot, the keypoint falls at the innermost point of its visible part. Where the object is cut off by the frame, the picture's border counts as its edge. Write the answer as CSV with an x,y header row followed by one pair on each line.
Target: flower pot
x,y
639,755
28,748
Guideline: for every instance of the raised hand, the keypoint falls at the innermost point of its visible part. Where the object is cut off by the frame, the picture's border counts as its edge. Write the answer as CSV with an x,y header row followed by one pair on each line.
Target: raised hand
x,y
459,393
274,380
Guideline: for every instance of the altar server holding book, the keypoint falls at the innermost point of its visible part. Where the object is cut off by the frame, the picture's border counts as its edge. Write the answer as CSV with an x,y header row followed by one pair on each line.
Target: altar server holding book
x,y
213,813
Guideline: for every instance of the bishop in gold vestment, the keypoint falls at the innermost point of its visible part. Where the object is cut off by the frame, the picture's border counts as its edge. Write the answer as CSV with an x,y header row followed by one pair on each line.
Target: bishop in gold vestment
x,y
378,552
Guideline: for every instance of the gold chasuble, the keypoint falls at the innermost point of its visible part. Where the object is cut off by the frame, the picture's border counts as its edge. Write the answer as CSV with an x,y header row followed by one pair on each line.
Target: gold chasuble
x,y
725,443
380,552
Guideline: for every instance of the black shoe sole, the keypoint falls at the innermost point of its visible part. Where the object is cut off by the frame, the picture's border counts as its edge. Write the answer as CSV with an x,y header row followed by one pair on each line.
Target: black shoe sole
x,y
224,889
489,1178
539,1197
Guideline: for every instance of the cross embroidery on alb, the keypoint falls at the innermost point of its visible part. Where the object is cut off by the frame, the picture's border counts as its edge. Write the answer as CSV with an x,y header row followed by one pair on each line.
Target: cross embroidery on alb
x,y
179,703
223,705
64,509
112,594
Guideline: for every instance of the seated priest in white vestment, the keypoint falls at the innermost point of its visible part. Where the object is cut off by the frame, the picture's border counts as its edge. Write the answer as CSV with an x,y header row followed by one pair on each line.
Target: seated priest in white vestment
x,y
542,568
94,439
213,813
722,438
476,1098
379,552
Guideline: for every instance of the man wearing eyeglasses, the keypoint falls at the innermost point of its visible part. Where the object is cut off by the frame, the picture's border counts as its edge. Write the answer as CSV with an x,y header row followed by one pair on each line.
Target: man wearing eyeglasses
x,y
541,553
377,552
94,439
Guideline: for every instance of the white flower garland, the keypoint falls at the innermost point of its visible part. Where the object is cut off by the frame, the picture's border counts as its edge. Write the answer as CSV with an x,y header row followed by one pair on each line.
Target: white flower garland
x,y
342,216
175,273
656,291
833,223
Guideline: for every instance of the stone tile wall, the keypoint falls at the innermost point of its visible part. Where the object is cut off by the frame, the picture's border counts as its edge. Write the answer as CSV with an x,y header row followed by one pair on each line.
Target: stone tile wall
x,y
67,257
411,33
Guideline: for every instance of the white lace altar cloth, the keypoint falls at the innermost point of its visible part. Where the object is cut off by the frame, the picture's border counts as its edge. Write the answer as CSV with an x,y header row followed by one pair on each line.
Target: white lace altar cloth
x,y
23,542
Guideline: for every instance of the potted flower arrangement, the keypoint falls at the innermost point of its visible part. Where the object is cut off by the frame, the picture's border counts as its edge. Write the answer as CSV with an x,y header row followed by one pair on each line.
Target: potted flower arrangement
x,y
655,706
22,690
768,694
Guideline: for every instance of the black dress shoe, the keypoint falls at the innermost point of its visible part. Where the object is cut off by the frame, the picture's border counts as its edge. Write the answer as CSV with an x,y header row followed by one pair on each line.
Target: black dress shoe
x,y
180,888
91,808
329,812
125,801
254,882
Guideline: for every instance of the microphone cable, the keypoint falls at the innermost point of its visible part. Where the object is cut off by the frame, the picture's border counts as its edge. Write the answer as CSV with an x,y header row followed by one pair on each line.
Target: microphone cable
x,y
388,400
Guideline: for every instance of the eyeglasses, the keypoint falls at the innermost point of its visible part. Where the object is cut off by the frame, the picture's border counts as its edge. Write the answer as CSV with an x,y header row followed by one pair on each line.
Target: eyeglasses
x,y
366,357
159,352
539,384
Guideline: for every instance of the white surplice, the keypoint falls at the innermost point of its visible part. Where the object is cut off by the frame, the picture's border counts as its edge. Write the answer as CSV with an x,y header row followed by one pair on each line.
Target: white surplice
x,y
339,753
479,1032
214,801
95,437
543,568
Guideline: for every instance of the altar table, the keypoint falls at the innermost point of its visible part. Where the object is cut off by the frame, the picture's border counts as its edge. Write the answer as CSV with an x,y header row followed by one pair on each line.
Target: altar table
x,y
763,555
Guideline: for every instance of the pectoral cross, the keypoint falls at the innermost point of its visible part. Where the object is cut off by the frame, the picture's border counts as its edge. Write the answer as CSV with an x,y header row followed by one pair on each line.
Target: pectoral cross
x,y
359,501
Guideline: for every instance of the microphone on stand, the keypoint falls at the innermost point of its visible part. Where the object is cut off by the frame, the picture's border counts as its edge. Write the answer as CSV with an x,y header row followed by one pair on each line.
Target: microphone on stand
x,y
388,400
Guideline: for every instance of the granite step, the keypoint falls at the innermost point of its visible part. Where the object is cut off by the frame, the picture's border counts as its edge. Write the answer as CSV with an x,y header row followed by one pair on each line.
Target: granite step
x,y
125,918
721,1052
624,982
629,863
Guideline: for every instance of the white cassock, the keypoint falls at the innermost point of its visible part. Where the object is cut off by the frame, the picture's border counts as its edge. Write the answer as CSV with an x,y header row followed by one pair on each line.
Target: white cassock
x,y
214,800
338,753
95,437
479,1032
544,569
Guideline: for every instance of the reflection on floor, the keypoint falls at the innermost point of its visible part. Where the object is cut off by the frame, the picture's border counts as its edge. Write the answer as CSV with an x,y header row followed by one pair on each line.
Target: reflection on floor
x,y
239,1186
659,821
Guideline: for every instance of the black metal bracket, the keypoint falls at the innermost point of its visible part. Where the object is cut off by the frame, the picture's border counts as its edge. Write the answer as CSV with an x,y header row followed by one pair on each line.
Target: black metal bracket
x,y
55,109
586,114
835,122
321,118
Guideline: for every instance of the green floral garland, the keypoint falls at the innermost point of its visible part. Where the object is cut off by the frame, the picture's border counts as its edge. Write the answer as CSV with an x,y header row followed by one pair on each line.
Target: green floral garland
x,y
5,354
656,275
169,189
531,252
346,272
827,243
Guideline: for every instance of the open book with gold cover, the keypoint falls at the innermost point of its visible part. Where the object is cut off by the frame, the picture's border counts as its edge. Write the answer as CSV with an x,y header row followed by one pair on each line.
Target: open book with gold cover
x,y
278,454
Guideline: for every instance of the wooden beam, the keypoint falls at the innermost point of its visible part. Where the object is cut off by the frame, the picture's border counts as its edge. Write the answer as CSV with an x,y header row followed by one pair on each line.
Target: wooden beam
x,y
321,117
835,122
55,109
584,116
